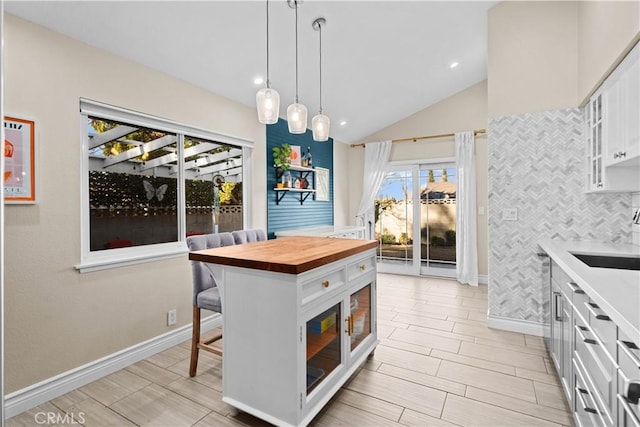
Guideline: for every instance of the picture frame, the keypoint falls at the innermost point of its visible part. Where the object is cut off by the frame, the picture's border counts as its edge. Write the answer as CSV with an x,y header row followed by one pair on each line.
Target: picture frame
x,y
295,156
19,153
322,184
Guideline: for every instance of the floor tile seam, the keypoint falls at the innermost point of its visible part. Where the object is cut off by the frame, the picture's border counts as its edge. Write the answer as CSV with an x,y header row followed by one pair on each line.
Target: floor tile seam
x,y
474,366
515,410
515,375
373,413
504,348
511,348
515,351
187,397
428,333
483,387
423,373
404,349
202,418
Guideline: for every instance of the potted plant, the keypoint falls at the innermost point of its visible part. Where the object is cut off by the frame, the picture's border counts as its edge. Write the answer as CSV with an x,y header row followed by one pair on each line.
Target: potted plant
x,y
281,158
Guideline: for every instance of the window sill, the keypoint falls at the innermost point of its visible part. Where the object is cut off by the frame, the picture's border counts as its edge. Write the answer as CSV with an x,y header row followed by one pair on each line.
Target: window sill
x,y
130,256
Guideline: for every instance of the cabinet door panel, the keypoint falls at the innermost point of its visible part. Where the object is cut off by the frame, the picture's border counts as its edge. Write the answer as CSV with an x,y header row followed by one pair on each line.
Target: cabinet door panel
x,y
324,347
360,314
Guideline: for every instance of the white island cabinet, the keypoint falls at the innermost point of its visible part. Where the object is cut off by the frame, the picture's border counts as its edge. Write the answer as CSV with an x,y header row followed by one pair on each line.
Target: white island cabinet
x,y
299,319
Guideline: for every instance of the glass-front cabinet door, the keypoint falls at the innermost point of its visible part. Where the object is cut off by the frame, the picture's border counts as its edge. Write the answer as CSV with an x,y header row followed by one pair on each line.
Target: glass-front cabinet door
x,y
359,319
324,346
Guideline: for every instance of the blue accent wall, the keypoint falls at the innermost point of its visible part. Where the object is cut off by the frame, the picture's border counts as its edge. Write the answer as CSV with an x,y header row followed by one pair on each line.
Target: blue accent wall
x,y
289,214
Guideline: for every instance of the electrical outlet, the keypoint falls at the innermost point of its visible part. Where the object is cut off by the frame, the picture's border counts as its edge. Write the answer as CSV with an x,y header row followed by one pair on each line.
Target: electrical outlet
x,y
171,317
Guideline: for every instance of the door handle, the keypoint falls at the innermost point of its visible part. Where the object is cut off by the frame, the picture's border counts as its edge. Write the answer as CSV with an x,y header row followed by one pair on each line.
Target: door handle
x,y
555,308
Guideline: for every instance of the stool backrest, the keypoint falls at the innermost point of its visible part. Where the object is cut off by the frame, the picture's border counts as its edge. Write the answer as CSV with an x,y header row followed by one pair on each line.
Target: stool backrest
x,y
202,277
249,236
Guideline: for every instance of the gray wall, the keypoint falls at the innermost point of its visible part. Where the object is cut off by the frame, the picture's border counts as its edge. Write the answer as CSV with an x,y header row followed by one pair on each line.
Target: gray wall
x,y
536,164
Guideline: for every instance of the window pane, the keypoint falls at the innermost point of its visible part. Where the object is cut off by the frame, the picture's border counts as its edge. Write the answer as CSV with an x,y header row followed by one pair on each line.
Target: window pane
x,y
132,185
394,218
213,186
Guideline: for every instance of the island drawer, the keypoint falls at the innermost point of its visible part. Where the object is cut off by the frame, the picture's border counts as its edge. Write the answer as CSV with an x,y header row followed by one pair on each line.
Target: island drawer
x,y
587,411
321,285
361,267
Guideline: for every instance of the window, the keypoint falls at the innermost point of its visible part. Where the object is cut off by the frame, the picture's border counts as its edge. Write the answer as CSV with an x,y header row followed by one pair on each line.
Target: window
x,y
148,183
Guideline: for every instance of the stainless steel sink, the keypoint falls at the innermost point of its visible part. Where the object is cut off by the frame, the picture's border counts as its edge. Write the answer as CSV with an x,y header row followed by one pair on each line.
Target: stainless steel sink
x,y
601,261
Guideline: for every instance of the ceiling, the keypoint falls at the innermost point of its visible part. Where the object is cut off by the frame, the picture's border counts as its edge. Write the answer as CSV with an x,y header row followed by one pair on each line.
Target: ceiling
x,y
381,60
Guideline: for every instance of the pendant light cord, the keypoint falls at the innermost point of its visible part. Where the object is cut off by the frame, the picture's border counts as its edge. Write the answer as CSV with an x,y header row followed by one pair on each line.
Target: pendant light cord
x,y
296,3
320,29
268,82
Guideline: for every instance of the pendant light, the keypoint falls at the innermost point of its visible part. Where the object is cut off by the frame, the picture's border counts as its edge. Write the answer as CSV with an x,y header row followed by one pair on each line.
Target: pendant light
x,y
296,112
320,123
267,99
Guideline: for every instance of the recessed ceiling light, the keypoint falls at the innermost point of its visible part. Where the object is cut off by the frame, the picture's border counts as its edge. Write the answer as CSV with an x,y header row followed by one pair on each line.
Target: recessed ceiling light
x,y
454,64
258,80
343,123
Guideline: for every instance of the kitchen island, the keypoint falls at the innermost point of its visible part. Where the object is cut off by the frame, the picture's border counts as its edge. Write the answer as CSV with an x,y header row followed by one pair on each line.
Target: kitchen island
x,y
299,319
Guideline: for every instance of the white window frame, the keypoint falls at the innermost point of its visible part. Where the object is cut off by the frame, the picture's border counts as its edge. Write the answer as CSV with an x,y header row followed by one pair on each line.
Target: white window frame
x,y
112,258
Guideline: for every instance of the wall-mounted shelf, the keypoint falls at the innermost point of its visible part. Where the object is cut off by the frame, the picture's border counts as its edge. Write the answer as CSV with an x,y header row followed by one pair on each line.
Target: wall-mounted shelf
x,y
304,193
303,173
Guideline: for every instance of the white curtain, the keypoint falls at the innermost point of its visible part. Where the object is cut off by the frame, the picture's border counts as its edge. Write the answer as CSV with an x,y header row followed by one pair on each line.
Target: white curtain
x,y
466,220
376,157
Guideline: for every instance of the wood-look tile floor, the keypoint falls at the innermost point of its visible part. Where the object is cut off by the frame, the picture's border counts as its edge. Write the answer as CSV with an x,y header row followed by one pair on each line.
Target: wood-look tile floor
x,y
438,364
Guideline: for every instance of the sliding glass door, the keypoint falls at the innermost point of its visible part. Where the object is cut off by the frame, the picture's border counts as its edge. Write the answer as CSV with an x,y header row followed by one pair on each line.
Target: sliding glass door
x,y
415,220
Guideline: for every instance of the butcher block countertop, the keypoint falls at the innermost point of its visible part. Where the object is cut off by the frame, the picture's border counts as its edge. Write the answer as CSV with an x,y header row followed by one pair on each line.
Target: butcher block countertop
x,y
293,255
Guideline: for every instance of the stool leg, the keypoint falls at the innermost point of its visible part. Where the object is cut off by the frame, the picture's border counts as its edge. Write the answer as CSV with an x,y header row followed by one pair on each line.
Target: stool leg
x,y
195,340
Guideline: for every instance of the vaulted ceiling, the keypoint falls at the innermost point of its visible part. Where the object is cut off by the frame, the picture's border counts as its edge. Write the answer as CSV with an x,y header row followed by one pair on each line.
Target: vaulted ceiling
x,y
382,60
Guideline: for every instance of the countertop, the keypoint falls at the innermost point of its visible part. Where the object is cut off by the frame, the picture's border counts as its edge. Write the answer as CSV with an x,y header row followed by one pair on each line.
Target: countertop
x,y
320,231
293,255
616,291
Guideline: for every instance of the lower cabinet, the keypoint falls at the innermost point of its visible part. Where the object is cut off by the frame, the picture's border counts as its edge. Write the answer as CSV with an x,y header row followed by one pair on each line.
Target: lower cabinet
x,y
598,365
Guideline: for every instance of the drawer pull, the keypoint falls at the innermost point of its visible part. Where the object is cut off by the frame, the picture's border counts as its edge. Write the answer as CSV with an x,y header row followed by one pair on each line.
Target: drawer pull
x,y
626,347
325,283
600,316
575,288
579,393
628,410
633,391
363,267
556,306
586,340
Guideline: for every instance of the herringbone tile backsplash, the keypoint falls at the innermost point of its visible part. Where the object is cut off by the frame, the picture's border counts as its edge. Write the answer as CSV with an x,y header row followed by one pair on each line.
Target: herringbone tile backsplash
x,y
536,164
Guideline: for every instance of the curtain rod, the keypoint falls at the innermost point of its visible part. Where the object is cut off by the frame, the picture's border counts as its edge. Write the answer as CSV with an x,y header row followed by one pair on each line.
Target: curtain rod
x,y
416,138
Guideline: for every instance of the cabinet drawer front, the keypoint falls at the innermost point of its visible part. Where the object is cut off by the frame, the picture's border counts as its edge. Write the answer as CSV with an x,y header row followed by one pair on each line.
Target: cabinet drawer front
x,y
600,370
557,275
628,356
603,327
628,413
322,285
361,267
587,411
579,303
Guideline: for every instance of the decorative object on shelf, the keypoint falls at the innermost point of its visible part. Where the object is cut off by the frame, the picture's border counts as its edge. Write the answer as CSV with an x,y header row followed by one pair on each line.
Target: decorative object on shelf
x,y
309,158
19,151
267,99
287,180
295,156
281,158
320,124
296,112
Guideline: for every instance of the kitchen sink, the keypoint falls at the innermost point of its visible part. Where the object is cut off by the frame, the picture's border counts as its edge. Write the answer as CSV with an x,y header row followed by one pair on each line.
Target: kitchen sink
x,y
602,261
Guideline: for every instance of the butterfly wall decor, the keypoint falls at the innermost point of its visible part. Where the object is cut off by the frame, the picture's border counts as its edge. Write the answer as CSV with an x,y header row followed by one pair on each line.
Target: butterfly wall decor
x,y
150,191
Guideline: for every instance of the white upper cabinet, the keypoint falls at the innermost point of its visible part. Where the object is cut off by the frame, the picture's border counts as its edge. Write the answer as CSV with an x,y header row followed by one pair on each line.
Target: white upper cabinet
x,y
612,129
623,103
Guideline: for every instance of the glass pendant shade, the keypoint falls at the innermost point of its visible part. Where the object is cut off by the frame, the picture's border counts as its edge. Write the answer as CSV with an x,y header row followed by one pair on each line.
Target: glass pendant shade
x,y
268,103
320,125
297,118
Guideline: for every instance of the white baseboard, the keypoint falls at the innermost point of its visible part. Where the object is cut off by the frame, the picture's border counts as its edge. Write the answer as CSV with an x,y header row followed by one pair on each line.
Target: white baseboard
x,y
36,394
483,280
517,325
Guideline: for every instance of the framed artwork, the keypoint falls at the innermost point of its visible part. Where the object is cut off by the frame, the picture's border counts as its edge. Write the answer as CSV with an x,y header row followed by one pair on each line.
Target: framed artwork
x,y
322,184
19,157
296,159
